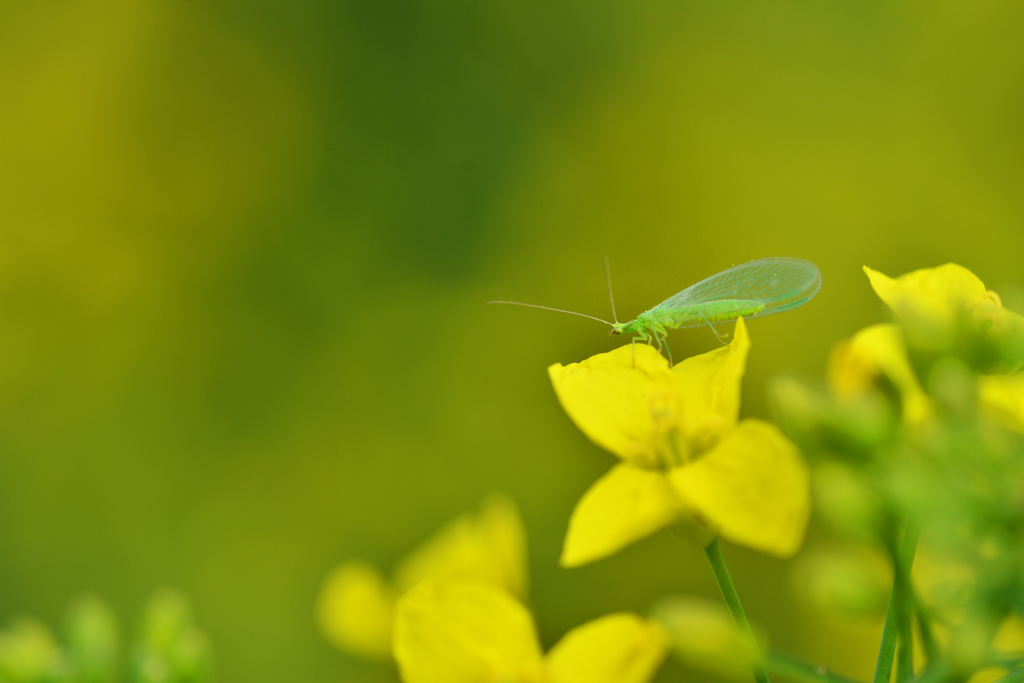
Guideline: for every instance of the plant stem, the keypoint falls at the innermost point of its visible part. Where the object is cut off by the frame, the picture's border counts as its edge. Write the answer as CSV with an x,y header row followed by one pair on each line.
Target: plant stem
x,y
887,648
732,601
794,669
905,606
931,648
898,614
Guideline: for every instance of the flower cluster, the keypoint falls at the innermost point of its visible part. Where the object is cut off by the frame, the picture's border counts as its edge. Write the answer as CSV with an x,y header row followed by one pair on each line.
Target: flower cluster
x,y
454,609
917,435
357,604
455,613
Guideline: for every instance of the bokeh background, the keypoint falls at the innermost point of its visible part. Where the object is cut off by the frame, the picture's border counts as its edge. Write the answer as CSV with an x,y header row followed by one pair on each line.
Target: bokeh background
x,y
244,250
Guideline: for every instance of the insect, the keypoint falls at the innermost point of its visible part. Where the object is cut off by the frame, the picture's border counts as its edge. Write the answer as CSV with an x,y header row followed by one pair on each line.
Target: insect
x,y
751,289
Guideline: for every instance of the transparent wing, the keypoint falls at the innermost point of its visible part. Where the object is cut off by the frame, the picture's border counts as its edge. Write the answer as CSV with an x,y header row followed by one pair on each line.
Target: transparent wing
x,y
781,284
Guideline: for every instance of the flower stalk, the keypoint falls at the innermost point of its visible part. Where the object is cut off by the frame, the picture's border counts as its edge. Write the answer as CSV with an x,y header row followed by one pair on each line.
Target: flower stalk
x,y
732,601
898,615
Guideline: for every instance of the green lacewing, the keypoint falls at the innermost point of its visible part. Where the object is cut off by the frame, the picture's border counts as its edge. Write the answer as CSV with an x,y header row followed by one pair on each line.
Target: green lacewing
x,y
752,289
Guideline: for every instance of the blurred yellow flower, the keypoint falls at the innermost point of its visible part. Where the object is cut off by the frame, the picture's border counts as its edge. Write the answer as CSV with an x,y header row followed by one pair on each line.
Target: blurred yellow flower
x,y
356,605
704,636
464,632
856,364
686,459
933,301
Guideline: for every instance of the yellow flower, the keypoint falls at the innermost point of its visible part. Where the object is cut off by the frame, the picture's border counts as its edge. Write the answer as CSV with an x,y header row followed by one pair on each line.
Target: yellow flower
x,y
703,635
686,459
932,302
464,632
855,365
356,603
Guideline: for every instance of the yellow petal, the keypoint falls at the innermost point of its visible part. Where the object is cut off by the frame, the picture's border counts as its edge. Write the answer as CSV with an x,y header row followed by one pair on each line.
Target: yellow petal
x,y
931,299
489,547
623,409
618,648
355,609
505,538
752,487
1002,400
935,291
710,386
458,632
878,349
623,506
704,636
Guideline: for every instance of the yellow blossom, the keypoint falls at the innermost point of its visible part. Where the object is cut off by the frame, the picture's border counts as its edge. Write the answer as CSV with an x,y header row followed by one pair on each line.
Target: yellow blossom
x,y
703,635
932,302
464,632
356,603
356,608
855,365
685,458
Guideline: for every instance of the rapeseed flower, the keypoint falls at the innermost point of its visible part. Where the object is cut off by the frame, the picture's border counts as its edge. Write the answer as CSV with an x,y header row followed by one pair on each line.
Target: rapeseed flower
x,y
937,310
356,605
878,351
948,472
935,301
466,632
704,636
686,460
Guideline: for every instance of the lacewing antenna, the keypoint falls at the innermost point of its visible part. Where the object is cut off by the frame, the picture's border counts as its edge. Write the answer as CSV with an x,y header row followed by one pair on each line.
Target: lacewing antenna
x,y
608,279
548,308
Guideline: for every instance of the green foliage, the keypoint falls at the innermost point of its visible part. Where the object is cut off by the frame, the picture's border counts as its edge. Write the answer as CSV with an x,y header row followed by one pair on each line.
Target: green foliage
x,y
951,469
168,649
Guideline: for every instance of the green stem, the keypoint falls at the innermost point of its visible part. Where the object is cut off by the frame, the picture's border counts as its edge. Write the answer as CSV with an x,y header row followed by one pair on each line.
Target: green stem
x,y
732,601
931,648
898,615
794,669
887,648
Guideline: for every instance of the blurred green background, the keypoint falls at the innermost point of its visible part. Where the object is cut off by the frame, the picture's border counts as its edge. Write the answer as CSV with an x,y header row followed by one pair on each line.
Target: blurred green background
x,y
244,250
